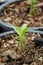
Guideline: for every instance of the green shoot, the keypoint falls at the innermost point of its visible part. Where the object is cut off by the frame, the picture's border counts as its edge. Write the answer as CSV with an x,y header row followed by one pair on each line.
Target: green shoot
x,y
33,7
21,34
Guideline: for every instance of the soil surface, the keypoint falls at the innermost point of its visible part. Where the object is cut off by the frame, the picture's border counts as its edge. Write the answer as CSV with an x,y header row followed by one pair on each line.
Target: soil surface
x,y
10,55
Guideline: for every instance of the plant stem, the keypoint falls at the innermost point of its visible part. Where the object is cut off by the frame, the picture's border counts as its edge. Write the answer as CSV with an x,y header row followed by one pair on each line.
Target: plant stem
x,y
21,46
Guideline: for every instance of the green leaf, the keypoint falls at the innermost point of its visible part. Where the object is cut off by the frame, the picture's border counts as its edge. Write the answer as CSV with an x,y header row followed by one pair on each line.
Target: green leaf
x,y
18,31
21,32
33,1
23,29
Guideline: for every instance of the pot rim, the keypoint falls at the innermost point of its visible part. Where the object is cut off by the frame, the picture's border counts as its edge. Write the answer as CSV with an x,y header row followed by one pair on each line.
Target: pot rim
x,y
6,33
8,2
8,29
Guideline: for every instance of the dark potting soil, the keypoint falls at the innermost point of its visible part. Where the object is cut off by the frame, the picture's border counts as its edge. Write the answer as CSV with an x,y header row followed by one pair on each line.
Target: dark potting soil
x,y
10,55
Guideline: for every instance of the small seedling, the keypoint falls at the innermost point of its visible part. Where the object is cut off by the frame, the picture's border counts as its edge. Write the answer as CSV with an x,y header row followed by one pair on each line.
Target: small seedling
x,y
21,34
33,7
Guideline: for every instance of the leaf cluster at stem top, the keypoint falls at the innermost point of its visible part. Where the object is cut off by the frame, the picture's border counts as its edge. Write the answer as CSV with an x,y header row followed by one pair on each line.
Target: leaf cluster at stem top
x,y
20,31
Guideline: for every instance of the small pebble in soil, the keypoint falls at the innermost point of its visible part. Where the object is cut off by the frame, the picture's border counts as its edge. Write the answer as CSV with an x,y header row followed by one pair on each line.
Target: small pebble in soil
x,y
10,41
40,58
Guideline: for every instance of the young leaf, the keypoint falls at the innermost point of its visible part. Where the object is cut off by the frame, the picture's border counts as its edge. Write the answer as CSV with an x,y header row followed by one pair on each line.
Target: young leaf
x,y
23,29
33,1
18,31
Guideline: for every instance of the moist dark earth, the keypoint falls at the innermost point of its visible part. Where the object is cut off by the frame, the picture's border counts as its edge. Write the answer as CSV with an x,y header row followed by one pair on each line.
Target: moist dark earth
x,y
17,14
